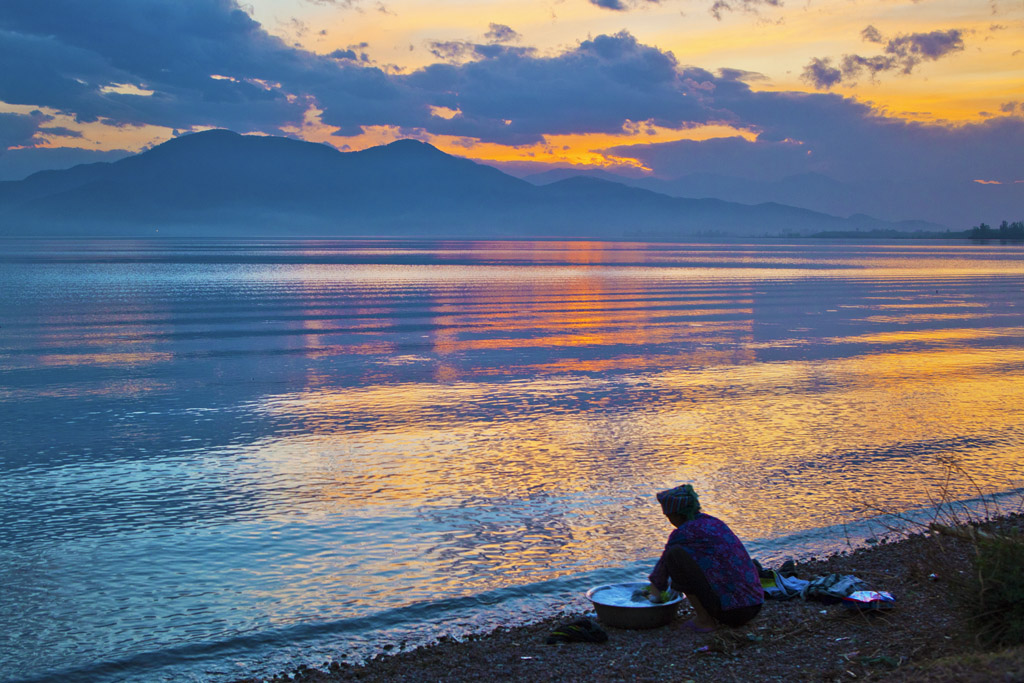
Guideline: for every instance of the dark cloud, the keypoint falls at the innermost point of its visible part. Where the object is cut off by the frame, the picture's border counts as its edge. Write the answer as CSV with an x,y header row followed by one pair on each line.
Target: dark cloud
x,y
65,52
741,75
912,48
855,65
17,130
902,53
622,5
513,96
451,50
500,33
60,132
456,51
42,71
718,7
336,3
350,54
821,74
872,35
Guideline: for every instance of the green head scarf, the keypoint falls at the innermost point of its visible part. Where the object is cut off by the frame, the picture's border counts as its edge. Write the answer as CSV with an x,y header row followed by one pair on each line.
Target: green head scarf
x,y
682,501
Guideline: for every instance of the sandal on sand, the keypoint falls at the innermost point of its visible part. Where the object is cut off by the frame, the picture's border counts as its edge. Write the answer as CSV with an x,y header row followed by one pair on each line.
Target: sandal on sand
x,y
691,625
579,631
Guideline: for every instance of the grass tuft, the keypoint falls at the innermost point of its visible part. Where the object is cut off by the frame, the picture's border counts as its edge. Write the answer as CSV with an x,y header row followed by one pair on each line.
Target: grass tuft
x,y
999,589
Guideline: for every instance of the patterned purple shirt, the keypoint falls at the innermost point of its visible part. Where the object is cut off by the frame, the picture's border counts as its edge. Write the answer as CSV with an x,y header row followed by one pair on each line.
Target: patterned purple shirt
x,y
721,556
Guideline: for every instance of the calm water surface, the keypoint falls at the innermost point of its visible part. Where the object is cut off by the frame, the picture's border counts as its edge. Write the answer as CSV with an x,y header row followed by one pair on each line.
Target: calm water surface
x,y
226,458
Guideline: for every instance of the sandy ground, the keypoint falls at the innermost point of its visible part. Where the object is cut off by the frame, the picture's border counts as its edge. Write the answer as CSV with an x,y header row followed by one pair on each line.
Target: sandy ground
x,y
792,640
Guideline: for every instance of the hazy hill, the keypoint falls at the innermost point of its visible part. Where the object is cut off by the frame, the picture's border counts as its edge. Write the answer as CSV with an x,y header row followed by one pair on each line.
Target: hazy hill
x,y
220,183
952,204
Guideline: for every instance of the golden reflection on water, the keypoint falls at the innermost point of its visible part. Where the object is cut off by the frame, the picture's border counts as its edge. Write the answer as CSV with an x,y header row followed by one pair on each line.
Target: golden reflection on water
x,y
112,358
774,446
919,318
938,337
768,455
908,306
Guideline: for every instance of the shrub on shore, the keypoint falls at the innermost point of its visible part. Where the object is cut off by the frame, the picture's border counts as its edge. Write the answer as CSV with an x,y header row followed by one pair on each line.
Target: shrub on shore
x,y
1006,231
999,589
993,591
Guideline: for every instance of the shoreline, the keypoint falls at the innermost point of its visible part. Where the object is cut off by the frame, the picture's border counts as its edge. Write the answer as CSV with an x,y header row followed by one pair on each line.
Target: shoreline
x,y
789,640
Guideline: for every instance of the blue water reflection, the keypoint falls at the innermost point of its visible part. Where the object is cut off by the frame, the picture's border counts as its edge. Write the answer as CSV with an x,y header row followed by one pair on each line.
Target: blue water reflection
x,y
271,452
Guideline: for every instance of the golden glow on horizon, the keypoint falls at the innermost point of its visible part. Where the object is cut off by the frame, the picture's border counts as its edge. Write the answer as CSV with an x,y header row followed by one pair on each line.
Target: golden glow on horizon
x,y
584,149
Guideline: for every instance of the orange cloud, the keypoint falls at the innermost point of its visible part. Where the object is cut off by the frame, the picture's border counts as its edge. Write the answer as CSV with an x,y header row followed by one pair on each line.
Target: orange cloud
x,y
579,149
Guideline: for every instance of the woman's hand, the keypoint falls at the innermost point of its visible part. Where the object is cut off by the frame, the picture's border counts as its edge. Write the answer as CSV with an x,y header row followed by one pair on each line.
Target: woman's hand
x,y
656,596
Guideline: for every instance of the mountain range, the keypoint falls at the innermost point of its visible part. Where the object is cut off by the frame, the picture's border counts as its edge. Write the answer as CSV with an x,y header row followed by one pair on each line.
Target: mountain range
x,y
220,183
951,203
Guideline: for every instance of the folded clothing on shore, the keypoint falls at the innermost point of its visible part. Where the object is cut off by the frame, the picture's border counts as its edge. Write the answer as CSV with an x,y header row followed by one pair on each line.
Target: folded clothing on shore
x,y
782,584
779,587
869,600
579,631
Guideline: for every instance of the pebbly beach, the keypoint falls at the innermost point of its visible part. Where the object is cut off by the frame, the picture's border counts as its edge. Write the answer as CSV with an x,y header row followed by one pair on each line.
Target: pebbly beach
x,y
942,626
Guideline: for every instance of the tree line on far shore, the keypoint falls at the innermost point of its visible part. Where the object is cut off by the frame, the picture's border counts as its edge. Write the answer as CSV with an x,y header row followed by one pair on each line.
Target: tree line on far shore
x,y
1005,231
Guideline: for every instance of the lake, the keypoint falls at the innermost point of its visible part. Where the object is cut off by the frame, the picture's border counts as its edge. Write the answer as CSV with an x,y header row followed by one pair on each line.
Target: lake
x,y
222,458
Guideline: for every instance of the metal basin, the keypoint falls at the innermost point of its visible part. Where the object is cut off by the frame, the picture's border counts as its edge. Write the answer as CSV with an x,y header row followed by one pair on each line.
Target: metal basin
x,y
615,608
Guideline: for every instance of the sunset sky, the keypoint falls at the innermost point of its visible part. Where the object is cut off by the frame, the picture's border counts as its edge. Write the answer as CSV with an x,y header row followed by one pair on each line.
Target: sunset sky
x,y
753,88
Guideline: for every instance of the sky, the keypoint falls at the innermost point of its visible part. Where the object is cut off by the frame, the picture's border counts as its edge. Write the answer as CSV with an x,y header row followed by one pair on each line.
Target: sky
x,y
855,89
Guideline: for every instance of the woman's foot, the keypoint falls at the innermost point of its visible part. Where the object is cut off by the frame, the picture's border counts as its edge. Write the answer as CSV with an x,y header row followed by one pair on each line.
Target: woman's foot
x,y
697,627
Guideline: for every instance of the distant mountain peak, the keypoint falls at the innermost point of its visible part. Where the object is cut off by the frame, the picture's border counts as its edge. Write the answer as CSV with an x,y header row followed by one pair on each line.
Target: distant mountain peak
x,y
410,147
229,149
214,133
411,143
205,137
